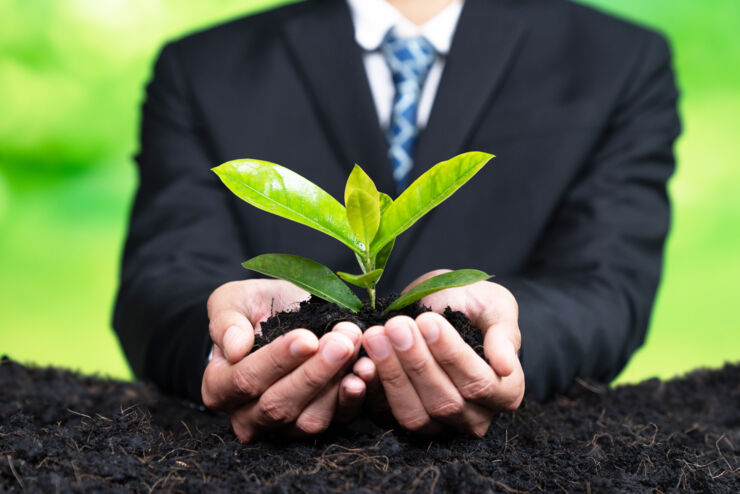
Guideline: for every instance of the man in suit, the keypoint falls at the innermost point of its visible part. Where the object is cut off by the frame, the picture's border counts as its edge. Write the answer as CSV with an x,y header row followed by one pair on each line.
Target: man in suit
x,y
580,109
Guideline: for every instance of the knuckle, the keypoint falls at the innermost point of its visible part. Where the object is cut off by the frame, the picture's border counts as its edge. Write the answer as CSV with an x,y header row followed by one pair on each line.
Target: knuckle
x,y
245,382
514,397
511,405
220,291
243,434
310,423
417,366
213,326
415,423
212,298
219,322
514,403
274,410
311,379
393,378
277,363
517,339
447,409
479,430
450,357
477,389
209,400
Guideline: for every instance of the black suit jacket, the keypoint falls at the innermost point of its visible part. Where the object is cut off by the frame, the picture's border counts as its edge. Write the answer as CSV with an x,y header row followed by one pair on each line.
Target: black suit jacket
x,y
580,109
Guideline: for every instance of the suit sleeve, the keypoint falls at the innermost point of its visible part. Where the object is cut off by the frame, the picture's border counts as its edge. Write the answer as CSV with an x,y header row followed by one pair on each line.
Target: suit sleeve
x,y
182,241
586,299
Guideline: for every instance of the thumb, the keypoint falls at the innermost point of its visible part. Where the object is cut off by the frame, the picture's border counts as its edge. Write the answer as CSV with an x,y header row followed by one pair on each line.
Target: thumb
x,y
500,351
229,326
499,319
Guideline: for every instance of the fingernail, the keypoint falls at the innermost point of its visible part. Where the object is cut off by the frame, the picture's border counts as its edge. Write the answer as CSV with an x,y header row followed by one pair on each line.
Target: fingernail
x,y
336,351
364,367
350,330
429,329
355,387
300,347
378,346
399,332
232,339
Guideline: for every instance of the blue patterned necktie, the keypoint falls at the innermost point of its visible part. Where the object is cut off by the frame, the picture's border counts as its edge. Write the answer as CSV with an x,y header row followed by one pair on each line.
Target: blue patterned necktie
x,y
409,60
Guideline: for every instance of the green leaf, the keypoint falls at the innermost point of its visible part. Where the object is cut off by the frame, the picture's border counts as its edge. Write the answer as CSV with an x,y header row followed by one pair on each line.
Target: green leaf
x,y
428,191
452,279
363,214
381,258
310,275
359,180
280,191
366,280
385,201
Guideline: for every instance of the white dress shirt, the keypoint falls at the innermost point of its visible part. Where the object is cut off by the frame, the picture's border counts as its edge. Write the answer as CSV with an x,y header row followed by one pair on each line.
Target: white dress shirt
x,y
372,20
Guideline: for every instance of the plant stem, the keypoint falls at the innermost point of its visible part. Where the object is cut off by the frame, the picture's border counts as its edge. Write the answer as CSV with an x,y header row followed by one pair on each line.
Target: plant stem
x,y
367,265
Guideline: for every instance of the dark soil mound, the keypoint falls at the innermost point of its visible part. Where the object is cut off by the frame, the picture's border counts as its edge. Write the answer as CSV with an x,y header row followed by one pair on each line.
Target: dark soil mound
x,y
64,433
320,317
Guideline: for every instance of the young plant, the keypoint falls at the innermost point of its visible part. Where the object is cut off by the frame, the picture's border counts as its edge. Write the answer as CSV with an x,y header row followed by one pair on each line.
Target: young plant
x,y
368,223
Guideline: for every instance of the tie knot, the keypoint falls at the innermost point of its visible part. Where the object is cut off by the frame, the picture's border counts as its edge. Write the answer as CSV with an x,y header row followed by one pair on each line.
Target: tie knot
x,y
409,59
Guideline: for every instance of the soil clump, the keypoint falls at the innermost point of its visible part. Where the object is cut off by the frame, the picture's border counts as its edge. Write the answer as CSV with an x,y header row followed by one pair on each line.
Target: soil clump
x,y
62,432
320,317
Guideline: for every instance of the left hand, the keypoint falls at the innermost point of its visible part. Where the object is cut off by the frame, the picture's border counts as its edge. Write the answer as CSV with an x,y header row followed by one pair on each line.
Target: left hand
x,y
431,378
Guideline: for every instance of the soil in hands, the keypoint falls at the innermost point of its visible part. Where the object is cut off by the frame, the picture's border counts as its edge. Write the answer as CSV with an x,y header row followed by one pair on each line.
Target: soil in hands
x,y
320,317
60,432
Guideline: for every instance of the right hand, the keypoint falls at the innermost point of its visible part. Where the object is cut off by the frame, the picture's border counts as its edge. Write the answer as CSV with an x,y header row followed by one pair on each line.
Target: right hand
x,y
296,380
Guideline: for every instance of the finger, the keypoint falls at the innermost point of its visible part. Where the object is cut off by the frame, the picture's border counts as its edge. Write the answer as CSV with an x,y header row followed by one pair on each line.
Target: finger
x,y
472,376
500,325
354,333
286,399
438,393
232,332
351,395
365,369
493,309
340,401
226,386
352,388
500,351
495,306
318,414
404,401
229,325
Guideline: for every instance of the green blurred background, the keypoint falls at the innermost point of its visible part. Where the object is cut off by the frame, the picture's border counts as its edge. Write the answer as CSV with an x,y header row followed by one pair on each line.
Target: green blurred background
x,y
72,74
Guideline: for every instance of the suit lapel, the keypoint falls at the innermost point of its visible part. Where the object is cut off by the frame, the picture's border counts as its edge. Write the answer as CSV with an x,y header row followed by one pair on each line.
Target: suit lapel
x,y
321,41
486,39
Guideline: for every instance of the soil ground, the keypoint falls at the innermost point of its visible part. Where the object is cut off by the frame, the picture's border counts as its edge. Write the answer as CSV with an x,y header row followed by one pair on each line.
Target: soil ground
x,y
61,432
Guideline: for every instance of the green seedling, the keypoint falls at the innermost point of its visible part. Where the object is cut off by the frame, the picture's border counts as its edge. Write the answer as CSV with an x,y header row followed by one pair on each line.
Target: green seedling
x,y
368,223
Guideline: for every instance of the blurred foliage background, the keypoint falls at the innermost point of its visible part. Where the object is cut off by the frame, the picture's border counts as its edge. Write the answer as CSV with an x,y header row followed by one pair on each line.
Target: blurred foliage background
x,y
72,75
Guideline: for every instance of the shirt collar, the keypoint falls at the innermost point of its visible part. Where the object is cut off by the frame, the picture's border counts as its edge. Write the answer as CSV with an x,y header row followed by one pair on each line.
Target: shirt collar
x,y
373,18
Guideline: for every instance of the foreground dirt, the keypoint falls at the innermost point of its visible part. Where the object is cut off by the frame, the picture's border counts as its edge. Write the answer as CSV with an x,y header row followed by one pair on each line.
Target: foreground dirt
x,y
60,432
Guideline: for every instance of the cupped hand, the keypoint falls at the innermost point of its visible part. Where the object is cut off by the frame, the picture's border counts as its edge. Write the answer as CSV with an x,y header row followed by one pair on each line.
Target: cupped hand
x,y
433,380
297,381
